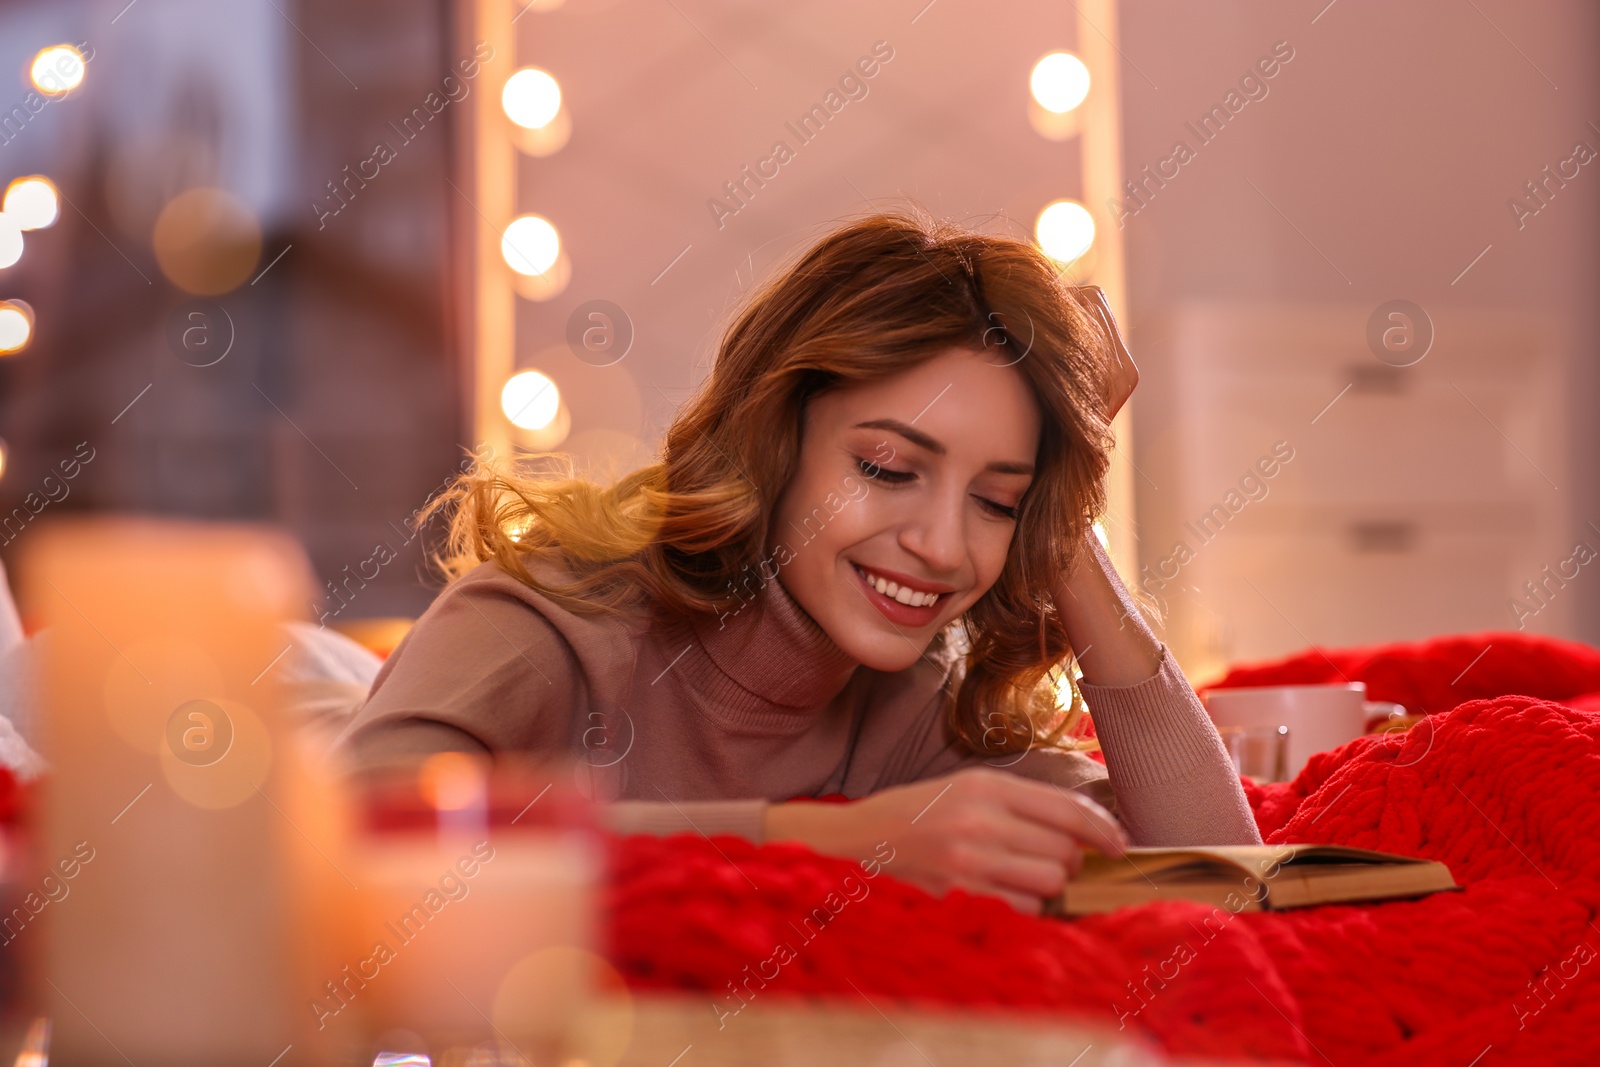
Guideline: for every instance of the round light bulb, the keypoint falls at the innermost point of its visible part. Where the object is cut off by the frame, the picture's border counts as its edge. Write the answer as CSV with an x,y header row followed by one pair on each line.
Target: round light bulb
x,y
531,245
1060,81
10,240
57,69
530,400
531,98
1065,230
32,203
16,328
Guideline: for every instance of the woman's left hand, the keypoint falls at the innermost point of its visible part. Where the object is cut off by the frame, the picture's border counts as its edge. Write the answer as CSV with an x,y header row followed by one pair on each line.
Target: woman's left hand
x,y
1126,375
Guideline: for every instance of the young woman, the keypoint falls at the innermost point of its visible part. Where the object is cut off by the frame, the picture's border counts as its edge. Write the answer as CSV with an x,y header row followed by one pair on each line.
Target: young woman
x,y
861,566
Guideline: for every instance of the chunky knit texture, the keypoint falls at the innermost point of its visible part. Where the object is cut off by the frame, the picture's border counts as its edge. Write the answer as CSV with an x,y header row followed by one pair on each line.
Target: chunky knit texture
x,y
1503,789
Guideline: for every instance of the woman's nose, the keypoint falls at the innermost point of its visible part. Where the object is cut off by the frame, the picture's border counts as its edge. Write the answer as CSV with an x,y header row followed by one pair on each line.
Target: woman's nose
x,y
937,535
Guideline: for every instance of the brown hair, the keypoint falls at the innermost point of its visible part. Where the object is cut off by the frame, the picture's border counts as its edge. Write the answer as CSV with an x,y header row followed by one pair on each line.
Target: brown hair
x,y
874,297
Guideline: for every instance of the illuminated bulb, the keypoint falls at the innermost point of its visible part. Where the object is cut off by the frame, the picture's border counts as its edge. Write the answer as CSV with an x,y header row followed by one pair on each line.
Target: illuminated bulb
x,y
1065,230
530,400
57,69
531,98
32,203
16,327
530,245
1060,81
10,240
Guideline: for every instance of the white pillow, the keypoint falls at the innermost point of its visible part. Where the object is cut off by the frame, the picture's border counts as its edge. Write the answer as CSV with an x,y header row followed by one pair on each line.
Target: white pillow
x,y
325,676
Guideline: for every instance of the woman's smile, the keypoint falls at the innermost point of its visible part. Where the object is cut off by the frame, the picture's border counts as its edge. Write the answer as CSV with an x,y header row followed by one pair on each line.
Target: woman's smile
x,y
903,605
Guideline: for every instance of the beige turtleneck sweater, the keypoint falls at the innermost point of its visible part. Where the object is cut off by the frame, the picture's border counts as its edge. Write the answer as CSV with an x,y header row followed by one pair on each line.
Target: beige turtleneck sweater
x,y
698,724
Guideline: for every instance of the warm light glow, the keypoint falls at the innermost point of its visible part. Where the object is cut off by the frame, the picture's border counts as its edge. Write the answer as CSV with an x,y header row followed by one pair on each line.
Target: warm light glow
x,y
1064,689
530,245
207,241
530,400
32,203
452,781
1065,230
1100,535
57,69
10,241
16,326
35,1051
1060,82
531,98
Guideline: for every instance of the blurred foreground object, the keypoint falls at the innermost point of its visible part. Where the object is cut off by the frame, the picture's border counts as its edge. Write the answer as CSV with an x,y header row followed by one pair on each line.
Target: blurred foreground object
x,y
478,924
197,835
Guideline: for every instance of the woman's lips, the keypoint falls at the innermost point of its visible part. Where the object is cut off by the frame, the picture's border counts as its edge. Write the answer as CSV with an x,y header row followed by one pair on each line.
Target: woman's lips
x,y
891,609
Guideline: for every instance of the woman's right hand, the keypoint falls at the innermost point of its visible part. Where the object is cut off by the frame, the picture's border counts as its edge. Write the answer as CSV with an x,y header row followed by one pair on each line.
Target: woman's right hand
x,y
1125,376
979,829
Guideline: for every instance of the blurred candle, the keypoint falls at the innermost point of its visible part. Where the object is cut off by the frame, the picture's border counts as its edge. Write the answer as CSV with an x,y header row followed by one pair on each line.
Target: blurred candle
x,y
479,913
198,903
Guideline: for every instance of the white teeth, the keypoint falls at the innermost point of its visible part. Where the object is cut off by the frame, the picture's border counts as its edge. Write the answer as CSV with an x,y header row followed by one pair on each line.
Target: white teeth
x,y
903,594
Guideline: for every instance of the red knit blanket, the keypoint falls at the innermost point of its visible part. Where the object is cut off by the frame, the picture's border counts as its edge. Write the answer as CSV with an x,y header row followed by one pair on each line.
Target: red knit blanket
x,y
1505,789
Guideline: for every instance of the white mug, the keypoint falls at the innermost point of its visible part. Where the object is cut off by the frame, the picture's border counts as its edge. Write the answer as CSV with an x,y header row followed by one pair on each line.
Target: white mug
x,y
1319,717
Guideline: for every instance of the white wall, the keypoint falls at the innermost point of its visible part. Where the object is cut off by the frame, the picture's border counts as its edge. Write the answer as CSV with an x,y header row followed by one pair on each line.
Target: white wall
x,y
1374,165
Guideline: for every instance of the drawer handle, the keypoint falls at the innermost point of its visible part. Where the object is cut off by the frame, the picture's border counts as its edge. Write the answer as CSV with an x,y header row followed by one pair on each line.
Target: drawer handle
x,y
1383,536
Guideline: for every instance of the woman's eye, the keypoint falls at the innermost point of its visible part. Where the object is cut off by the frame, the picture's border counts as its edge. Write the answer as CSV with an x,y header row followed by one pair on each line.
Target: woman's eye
x,y
998,508
872,470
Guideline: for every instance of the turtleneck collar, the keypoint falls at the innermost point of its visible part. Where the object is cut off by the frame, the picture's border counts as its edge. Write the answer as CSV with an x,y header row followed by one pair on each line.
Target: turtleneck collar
x,y
766,667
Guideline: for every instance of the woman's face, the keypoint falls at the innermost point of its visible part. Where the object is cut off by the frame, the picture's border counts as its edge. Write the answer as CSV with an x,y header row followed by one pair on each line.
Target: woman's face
x,y
915,480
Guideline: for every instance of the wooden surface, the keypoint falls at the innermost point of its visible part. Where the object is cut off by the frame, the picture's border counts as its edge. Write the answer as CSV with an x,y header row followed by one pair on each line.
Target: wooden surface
x,y
685,1031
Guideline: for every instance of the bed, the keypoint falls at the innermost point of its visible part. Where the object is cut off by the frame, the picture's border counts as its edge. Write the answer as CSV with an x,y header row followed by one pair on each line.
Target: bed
x,y
1500,781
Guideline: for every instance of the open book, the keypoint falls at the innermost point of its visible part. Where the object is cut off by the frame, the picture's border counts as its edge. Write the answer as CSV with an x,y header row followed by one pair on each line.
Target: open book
x,y
1246,877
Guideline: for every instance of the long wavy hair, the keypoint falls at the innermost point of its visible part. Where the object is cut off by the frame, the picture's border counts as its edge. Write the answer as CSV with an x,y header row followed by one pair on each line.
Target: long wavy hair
x,y
871,299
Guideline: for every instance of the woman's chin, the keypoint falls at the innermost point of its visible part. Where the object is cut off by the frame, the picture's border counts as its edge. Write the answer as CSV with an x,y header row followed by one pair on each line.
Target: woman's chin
x,y
882,648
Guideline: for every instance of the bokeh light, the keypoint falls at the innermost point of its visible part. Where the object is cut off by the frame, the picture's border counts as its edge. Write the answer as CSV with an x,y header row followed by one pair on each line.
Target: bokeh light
x,y
16,326
530,400
206,241
531,98
453,781
57,69
550,284
10,241
530,245
32,203
1060,82
1065,230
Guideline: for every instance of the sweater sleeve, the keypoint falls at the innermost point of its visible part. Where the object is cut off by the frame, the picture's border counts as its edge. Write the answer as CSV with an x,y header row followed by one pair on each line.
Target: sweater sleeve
x,y
1173,779
485,671
746,818
480,672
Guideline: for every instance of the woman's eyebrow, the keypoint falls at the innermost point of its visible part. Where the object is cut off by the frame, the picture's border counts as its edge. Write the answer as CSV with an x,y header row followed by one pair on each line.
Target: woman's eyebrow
x,y
922,440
